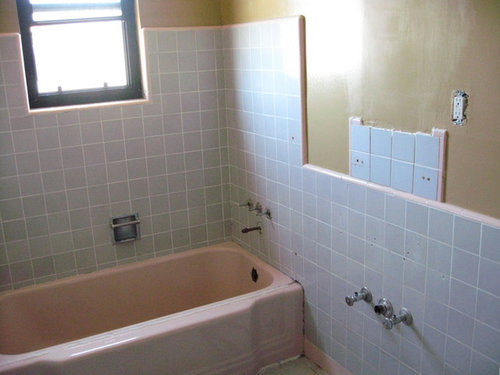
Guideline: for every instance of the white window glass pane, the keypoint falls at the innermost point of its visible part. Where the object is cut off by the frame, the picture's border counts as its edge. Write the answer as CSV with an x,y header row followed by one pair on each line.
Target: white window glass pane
x,y
79,56
59,15
54,10
63,2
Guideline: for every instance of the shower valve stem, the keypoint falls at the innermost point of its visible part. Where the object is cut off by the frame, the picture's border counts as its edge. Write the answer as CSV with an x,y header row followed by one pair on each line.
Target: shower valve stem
x,y
257,208
248,204
404,317
363,294
266,213
384,307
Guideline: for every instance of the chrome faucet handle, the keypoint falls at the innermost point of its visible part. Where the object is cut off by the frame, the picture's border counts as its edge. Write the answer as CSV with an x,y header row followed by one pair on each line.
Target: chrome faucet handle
x,y
384,307
257,208
248,204
363,294
404,317
266,213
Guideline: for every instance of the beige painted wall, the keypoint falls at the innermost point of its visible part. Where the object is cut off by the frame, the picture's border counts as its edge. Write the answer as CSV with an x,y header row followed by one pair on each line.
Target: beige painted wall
x,y
395,63
179,13
8,17
152,13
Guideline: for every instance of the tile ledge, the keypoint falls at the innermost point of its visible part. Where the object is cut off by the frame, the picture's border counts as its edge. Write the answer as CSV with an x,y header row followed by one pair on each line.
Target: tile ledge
x,y
469,214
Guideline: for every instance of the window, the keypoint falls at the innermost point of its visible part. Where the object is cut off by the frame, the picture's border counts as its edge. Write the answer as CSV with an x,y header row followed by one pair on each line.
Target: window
x,y
79,52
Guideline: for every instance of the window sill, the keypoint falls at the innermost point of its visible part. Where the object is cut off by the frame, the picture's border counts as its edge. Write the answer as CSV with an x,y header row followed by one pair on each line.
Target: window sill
x,y
88,106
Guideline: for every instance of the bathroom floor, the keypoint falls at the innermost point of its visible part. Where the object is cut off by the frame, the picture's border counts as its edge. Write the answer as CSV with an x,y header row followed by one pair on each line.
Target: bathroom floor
x,y
297,366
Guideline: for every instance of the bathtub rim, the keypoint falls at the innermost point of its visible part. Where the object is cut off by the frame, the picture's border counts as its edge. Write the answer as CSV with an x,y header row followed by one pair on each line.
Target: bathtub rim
x,y
221,247
143,330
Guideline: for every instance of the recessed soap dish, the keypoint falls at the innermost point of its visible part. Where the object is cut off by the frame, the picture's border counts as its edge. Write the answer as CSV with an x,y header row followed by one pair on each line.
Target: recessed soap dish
x,y
125,228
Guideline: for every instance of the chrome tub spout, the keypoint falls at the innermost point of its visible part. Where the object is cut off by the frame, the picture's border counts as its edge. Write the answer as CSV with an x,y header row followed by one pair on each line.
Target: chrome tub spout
x,y
251,229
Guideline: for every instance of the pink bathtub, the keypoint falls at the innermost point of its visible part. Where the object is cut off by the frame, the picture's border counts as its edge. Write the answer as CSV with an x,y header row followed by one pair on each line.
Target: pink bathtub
x,y
214,310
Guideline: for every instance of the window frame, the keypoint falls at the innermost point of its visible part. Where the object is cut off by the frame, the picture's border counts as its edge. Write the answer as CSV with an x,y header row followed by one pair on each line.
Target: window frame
x,y
133,89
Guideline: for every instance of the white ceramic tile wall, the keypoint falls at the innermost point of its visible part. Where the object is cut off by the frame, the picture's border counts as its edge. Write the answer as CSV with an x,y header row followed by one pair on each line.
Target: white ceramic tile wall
x,y
63,175
403,146
404,161
332,235
336,236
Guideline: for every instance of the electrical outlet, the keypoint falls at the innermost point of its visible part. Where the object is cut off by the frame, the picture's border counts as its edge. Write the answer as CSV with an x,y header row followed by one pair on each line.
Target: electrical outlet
x,y
460,100
458,107
425,182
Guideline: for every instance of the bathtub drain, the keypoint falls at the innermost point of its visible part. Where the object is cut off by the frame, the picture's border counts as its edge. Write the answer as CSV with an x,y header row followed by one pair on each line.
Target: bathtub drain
x,y
255,275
